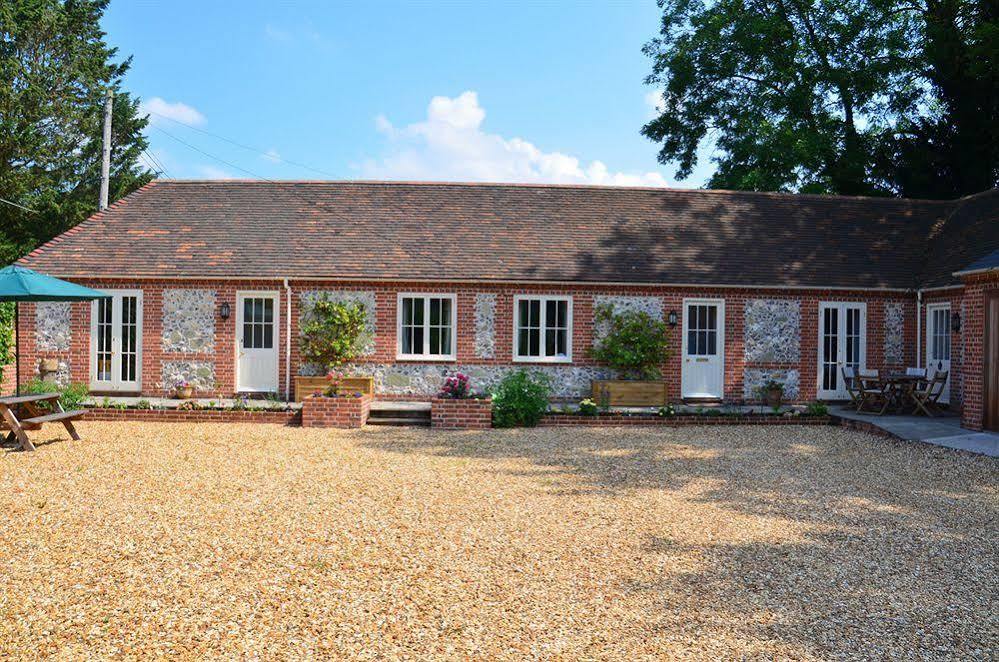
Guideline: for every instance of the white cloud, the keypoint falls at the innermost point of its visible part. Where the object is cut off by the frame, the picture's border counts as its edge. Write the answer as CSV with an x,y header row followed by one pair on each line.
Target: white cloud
x,y
272,155
451,145
655,103
158,109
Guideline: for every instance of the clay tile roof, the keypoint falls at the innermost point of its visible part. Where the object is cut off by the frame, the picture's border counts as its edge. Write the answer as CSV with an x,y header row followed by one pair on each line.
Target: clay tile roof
x,y
498,232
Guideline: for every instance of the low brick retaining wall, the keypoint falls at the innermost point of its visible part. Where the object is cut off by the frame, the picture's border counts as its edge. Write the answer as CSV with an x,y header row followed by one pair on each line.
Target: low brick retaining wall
x,y
466,414
323,412
557,420
193,416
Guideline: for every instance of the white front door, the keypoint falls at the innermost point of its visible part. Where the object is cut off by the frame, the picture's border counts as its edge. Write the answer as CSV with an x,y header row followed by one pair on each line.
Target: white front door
x,y
257,342
702,374
938,343
116,342
842,343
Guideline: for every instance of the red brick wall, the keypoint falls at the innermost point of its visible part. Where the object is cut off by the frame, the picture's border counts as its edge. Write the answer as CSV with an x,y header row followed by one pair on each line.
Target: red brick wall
x,y
973,335
224,354
451,414
323,412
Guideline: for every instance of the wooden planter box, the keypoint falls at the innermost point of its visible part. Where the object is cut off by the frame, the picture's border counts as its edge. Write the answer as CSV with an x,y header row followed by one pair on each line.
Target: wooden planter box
x,y
306,386
629,393
464,414
321,412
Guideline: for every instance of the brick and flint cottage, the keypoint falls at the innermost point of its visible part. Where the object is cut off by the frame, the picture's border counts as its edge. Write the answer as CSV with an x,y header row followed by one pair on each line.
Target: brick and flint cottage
x,y
211,279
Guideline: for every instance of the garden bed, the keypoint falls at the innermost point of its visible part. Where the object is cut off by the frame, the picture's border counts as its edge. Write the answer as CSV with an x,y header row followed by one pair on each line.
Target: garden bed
x,y
556,419
176,415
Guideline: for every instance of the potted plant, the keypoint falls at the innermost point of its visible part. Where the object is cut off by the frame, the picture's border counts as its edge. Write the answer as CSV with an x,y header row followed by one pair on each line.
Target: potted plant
x,y
772,392
334,334
636,345
183,389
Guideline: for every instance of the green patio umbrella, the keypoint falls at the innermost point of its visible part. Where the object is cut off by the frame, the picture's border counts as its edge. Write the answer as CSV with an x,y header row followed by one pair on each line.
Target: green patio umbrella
x,y
19,284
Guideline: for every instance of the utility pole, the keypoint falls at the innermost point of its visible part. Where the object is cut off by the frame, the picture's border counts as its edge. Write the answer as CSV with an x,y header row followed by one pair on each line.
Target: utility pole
x,y
106,153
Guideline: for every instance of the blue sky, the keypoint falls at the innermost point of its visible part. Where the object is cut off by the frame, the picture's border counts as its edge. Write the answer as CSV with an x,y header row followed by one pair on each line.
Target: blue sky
x,y
472,91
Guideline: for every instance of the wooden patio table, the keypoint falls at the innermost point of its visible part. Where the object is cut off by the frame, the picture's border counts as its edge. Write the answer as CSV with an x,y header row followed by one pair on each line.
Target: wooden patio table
x,y
900,387
32,416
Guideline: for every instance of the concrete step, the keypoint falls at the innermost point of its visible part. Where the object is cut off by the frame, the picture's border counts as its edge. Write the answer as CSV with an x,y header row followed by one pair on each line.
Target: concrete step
x,y
394,412
400,422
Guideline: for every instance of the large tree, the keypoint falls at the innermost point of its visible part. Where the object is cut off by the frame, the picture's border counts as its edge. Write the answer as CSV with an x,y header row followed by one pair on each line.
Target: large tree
x,y
833,96
55,72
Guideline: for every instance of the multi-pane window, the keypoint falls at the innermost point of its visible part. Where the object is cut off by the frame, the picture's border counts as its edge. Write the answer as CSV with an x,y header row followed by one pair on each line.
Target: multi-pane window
x,y
543,330
129,337
104,331
702,330
426,326
940,338
258,323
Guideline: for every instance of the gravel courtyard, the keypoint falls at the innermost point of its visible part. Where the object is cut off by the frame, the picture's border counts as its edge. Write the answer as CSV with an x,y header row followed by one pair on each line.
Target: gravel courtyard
x,y
262,541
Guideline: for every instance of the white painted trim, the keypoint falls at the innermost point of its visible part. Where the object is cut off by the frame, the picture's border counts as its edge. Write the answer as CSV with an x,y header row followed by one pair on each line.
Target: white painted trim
x,y
543,298
503,281
426,296
687,301
841,306
116,384
276,296
930,309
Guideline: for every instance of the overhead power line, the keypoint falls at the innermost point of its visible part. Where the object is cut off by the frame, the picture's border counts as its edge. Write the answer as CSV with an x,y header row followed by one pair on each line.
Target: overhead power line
x,y
14,204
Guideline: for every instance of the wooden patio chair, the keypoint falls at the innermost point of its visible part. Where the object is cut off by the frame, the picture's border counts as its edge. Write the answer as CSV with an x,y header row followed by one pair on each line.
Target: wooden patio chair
x,y
926,394
873,391
852,385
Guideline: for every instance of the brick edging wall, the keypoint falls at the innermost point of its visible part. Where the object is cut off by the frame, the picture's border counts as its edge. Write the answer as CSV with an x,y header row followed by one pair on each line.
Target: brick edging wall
x,y
467,414
193,416
566,420
324,412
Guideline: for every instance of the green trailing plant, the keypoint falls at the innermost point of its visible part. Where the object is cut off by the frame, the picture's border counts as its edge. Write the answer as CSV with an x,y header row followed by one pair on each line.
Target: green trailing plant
x,y
520,399
635,342
6,336
335,332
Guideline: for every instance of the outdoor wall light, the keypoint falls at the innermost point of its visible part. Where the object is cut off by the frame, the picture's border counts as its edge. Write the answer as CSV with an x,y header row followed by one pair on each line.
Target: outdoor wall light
x,y
955,322
672,318
224,311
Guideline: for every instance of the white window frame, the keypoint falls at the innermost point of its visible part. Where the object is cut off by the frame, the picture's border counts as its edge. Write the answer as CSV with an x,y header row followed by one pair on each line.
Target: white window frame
x,y
426,296
115,383
544,299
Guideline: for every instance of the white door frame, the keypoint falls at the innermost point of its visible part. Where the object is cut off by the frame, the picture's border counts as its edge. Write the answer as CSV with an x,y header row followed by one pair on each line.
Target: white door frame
x,y
115,383
720,347
931,368
841,306
238,336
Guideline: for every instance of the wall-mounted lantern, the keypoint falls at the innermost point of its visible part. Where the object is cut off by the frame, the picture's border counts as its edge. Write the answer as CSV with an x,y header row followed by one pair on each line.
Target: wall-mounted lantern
x,y
224,310
672,318
955,322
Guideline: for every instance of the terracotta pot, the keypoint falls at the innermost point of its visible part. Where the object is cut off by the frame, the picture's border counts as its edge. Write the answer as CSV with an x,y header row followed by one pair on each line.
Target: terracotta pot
x,y
48,365
774,397
185,392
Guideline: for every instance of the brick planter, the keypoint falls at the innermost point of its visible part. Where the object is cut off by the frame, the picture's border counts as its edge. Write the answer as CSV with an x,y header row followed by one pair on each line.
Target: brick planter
x,y
323,412
192,416
467,414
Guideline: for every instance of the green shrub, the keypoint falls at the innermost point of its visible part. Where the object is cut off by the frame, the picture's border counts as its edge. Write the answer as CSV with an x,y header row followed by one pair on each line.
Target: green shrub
x,y
71,396
635,342
143,404
334,333
520,399
667,411
817,409
588,407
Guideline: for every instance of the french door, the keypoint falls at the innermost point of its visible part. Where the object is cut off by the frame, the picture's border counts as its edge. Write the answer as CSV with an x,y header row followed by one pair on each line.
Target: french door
x,y
116,342
702,374
842,343
938,343
257,342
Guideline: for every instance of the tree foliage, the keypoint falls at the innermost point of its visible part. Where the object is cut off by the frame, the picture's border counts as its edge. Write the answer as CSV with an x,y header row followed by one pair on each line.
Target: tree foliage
x,y
635,342
55,71
334,333
882,97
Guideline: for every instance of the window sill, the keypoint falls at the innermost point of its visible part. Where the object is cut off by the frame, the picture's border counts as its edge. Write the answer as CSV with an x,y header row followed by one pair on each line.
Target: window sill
x,y
425,359
532,359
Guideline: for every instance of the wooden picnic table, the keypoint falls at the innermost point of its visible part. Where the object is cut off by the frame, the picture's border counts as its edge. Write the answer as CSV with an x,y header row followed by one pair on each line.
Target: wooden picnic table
x,y
22,413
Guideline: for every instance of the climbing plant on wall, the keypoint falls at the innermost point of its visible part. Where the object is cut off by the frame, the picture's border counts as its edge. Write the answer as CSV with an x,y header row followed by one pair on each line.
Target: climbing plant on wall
x,y
334,332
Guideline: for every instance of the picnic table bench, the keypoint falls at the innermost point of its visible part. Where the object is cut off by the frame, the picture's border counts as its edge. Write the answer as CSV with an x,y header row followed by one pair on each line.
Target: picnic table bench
x,y
23,412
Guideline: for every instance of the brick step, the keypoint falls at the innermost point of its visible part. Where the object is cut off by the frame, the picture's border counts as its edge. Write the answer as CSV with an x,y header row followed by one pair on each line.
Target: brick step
x,y
400,422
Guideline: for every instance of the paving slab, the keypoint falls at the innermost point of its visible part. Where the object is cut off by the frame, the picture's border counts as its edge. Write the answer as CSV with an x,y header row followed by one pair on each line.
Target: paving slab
x,y
944,431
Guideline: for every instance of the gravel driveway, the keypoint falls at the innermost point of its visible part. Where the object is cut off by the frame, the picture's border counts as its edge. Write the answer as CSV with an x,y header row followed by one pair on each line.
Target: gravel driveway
x,y
260,541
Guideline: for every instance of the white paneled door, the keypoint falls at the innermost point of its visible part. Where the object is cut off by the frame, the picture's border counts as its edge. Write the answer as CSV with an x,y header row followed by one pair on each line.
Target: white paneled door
x,y
702,374
257,342
938,343
116,342
842,343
